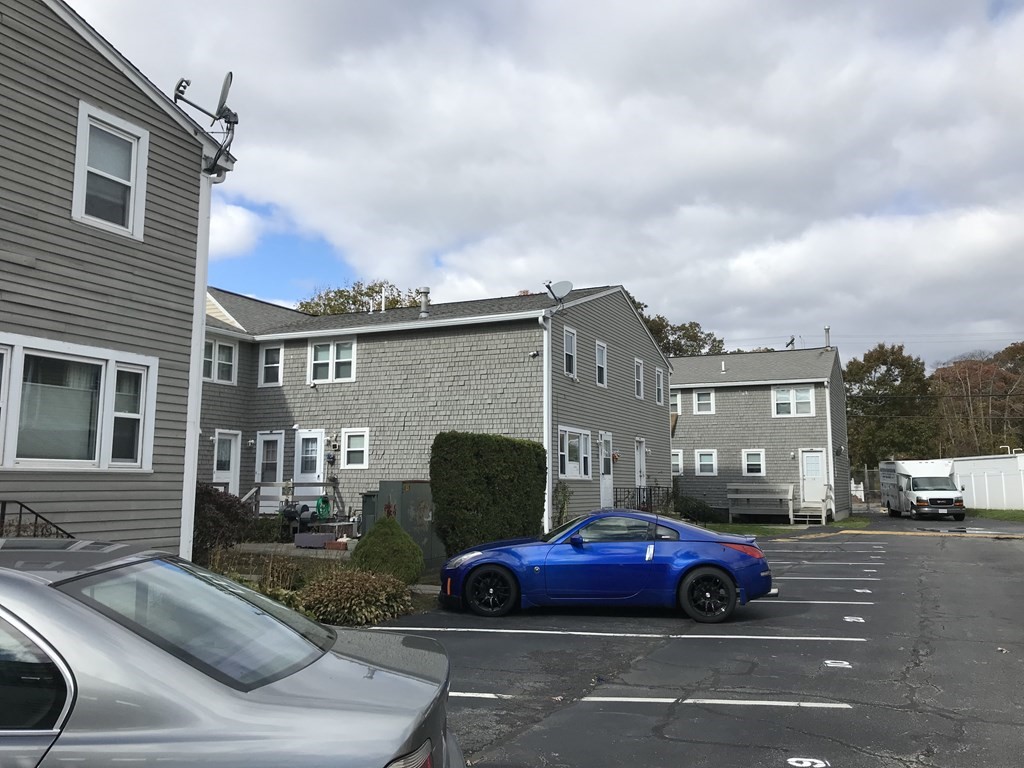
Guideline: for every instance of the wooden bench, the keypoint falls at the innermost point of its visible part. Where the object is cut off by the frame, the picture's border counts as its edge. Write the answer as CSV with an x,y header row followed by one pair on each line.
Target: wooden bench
x,y
760,499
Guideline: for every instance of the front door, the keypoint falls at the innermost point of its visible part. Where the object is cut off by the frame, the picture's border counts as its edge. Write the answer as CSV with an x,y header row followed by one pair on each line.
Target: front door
x,y
309,463
812,478
641,462
270,469
607,486
226,454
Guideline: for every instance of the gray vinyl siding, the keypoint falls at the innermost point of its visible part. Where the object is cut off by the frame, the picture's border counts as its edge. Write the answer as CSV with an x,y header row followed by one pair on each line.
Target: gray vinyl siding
x,y
743,420
408,387
229,407
584,405
68,281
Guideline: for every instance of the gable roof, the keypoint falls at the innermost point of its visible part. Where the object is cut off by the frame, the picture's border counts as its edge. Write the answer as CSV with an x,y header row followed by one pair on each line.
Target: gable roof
x,y
796,365
68,15
246,314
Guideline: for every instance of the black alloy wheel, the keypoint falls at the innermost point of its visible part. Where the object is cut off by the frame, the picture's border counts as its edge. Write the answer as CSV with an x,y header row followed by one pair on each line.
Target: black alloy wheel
x,y
708,595
491,591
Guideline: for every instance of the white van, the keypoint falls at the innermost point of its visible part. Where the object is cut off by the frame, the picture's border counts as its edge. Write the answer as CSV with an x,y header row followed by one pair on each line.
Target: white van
x,y
919,488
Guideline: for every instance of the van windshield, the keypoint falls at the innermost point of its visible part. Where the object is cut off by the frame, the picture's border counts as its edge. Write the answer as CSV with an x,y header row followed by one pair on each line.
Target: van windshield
x,y
933,484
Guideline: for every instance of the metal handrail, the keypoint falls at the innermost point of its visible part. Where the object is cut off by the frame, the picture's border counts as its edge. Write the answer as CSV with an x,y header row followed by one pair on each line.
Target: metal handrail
x,y
14,525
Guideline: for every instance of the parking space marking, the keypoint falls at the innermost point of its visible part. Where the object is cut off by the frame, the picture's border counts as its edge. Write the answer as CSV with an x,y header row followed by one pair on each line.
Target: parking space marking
x,y
643,636
666,700
815,602
824,551
817,562
828,578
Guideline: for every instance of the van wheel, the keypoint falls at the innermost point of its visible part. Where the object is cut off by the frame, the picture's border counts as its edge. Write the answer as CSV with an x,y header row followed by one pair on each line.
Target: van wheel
x,y
892,512
958,518
913,514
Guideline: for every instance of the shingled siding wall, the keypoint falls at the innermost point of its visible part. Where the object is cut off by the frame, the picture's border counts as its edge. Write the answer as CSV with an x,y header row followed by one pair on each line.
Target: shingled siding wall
x,y
408,387
66,281
743,420
584,405
837,394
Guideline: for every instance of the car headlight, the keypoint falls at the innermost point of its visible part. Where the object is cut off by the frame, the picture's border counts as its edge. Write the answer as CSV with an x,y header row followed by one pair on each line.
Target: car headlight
x,y
460,560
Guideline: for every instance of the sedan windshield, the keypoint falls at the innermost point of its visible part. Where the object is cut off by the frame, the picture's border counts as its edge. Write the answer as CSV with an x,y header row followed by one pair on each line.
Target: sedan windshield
x,y
229,632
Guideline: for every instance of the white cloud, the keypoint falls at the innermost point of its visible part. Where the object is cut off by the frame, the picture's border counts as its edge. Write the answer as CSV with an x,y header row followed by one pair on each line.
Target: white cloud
x,y
234,230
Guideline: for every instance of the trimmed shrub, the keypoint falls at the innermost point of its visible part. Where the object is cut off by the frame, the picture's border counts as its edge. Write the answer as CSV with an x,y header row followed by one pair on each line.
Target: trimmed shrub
x,y
695,509
221,521
486,487
355,598
386,548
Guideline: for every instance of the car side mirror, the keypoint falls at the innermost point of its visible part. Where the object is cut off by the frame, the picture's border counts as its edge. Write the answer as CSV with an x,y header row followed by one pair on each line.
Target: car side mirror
x,y
576,540
962,489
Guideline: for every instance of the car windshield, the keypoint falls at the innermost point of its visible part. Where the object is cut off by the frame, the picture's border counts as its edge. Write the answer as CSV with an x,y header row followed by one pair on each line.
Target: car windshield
x,y
225,630
932,484
554,533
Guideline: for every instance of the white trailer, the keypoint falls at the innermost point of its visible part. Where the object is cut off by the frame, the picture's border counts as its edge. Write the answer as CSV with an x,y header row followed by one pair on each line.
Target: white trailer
x,y
920,488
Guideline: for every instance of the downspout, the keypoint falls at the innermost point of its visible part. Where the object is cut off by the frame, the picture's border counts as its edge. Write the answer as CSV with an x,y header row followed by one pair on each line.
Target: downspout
x,y
545,324
195,376
831,453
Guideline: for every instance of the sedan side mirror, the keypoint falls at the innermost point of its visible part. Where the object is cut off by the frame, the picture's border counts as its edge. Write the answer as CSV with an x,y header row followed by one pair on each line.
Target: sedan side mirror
x,y
962,489
576,540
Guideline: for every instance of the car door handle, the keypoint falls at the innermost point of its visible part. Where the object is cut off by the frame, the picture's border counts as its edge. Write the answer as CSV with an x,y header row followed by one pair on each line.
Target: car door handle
x,y
650,553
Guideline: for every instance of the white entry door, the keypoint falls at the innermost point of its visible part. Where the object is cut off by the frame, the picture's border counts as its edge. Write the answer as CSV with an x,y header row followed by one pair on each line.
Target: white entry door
x,y
270,469
607,484
227,451
309,463
812,477
641,462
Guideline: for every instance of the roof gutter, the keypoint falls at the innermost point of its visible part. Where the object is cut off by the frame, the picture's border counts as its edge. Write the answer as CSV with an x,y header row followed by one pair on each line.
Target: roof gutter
x,y
761,382
411,325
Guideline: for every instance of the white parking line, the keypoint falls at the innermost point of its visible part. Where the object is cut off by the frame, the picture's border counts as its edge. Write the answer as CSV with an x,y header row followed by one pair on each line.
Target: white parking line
x,y
827,578
814,602
645,636
667,700
826,551
816,562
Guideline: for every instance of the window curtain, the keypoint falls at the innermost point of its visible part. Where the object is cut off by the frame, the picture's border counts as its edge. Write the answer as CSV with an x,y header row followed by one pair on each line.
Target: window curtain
x,y
60,401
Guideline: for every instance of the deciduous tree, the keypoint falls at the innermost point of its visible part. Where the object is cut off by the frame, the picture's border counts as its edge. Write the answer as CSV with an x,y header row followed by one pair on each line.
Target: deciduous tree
x,y
358,297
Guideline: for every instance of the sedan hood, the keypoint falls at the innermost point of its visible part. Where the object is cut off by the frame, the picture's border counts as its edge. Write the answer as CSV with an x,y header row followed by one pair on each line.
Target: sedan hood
x,y
523,540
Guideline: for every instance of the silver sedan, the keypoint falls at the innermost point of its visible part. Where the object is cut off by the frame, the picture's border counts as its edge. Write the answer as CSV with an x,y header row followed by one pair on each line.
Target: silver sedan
x,y
112,655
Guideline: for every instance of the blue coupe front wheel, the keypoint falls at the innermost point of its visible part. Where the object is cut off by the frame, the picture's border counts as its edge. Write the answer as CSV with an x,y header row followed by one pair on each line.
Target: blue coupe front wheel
x,y
708,595
491,591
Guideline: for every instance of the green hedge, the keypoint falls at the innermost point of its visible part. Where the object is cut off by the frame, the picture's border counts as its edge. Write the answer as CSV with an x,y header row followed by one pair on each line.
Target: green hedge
x,y
386,548
486,487
221,521
353,597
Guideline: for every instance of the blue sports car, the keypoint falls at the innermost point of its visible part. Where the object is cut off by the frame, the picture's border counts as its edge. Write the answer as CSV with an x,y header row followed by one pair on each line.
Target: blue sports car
x,y
612,557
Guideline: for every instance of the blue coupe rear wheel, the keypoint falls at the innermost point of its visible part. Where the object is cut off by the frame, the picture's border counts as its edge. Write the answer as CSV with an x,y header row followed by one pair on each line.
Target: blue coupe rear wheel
x,y
708,595
491,591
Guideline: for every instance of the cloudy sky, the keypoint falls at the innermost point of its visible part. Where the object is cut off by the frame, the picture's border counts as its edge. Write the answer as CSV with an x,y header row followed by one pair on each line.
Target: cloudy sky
x,y
765,168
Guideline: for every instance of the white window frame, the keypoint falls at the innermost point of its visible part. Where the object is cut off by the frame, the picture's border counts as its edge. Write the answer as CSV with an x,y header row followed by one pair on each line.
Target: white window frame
x,y
638,378
677,407
697,462
570,358
792,401
343,461
332,360
279,365
697,411
659,386
5,379
214,360
759,452
583,466
89,116
677,461
17,346
601,366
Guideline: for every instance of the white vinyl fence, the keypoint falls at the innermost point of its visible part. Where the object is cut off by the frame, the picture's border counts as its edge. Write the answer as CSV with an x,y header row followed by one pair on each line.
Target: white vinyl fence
x,y
991,482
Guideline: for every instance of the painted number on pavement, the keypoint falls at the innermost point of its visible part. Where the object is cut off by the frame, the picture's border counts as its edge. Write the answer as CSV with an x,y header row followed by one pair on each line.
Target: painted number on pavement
x,y
807,762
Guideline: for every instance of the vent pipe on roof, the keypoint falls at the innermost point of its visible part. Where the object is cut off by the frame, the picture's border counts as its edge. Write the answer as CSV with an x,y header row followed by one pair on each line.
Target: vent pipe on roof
x,y
723,366
827,344
424,294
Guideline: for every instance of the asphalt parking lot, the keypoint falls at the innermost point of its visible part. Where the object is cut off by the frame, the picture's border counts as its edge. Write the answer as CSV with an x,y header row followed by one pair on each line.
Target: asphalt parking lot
x,y
900,645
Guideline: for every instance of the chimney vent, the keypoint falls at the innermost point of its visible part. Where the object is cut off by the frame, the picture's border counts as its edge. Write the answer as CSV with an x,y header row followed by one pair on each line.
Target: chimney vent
x,y
828,344
424,294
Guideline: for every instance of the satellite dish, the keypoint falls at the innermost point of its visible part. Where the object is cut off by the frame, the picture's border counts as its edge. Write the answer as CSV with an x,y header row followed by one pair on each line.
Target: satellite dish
x,y
222,101
560,289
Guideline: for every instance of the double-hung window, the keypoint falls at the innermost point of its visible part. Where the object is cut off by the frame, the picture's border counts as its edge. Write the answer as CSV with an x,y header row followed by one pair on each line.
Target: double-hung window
x,y
219,361
638,378
703,401
569,342
270,366
110,173
573,454
673,402
677,462
331,361
659,386
73,407
601,361
793,401
705,461
355,446
753,462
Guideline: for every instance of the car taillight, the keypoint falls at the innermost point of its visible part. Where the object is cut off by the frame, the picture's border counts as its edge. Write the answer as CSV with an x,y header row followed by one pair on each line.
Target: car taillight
x,y
421,758
747,549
